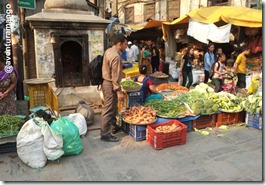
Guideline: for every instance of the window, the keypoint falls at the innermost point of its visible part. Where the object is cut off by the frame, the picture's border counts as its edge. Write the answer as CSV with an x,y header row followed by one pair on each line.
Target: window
x,y
129,15
149,11
173,9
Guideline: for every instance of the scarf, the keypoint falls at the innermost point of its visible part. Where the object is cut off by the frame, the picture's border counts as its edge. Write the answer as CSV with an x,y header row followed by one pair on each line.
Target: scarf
x,y
3,75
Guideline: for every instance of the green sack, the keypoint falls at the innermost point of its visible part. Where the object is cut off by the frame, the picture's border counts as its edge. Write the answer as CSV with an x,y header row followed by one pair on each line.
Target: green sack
x,y
72,144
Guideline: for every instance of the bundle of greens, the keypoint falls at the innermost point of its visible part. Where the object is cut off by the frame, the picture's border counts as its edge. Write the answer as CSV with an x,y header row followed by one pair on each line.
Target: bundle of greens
x,y
10,124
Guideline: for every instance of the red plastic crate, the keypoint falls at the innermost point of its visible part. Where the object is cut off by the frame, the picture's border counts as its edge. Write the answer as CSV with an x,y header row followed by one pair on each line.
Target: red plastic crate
x,y
225,118
204,121
160,140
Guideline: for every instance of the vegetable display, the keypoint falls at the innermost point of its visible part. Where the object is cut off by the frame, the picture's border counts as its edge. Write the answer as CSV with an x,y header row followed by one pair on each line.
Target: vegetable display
x,y
10,124
164,86
140,115
159,74
168,128
228,102
129,83
253,103
169,108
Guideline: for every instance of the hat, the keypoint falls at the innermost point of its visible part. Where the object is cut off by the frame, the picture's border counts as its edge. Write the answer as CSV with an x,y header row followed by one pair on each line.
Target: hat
x,y
146,53
129,42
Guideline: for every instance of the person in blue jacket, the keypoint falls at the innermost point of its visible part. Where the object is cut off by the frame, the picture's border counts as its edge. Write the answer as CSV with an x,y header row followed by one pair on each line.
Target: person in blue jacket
x,y
209,59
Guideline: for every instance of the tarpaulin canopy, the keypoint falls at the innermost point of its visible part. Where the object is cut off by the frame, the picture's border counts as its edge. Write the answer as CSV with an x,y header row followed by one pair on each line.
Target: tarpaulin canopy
x,y
149,24
239,16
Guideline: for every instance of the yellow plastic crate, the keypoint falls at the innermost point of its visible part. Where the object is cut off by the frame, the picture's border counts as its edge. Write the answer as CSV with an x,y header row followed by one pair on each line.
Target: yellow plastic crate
x,y
131,72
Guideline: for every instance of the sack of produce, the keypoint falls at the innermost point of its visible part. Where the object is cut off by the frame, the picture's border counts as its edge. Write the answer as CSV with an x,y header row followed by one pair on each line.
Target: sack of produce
x,y
53,143
79,120
86,111
30,144
72,144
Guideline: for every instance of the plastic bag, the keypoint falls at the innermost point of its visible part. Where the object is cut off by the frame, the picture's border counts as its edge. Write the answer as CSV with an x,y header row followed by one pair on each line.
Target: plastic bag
x,y
30,144
72,144
53,143
79,120
175,73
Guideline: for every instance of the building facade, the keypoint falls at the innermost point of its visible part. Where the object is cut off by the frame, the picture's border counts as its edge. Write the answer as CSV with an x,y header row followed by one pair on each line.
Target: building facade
x,y
139,11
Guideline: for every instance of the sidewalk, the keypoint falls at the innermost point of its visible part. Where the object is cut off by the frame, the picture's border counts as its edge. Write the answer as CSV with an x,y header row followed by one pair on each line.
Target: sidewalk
x,y
237,156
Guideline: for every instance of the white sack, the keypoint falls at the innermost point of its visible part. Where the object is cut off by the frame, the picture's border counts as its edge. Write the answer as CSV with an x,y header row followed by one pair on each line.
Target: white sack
x,y
30,144
53,143
79,120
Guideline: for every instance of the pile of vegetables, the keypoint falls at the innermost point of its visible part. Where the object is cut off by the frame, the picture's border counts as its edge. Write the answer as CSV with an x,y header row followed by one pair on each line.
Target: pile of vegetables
x,y
203,88
169,108
10,124
175,87
140,115
168,128
253,104
159,74
129,83
192,97
204,107
228,102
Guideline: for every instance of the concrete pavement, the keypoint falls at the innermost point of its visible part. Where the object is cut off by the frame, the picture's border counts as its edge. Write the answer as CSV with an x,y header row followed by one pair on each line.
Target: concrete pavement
x,y
235,156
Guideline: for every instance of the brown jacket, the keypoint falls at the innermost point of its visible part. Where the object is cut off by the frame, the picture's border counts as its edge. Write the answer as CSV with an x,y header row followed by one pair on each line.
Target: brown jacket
x,y
112,67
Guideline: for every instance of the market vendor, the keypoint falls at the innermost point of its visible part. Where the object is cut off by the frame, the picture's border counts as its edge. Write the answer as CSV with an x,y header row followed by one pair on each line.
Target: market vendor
x,y
148,87
8,81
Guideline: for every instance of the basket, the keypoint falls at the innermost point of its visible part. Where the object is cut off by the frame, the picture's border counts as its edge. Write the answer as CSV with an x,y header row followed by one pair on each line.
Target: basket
x,y
137,132
158,81
41,94
187,121
254,121
131,89
204,121
125,127
160,140
225,118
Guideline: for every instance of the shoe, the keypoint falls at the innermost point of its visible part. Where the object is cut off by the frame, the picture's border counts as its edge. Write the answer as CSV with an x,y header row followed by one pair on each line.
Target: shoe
x,y
109,137
115,129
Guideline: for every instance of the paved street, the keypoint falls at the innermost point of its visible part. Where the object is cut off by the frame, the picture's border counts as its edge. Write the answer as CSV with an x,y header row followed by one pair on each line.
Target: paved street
x,y
234,156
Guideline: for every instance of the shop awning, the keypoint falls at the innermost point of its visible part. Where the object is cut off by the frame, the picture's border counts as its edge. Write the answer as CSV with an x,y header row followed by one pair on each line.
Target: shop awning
x,y
149,24
239,16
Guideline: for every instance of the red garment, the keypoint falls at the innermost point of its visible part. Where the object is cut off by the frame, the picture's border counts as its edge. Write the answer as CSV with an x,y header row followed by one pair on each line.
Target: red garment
x,y
161,65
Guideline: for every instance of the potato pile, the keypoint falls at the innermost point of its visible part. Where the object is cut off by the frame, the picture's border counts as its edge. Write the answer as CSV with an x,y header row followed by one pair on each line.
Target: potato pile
x,y
168,128
140,115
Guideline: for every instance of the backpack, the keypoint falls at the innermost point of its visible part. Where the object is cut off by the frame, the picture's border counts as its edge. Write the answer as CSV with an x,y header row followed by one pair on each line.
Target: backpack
x,y
95,71
212,69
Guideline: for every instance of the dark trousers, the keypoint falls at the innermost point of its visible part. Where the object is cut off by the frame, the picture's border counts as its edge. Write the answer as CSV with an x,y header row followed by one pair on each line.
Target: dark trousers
x,y
155,67
187,74
207,76
109,108
241,82
218,83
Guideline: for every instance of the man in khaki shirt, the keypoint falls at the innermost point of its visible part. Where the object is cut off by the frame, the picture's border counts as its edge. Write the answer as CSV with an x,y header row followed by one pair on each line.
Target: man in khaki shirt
x,y
112,75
